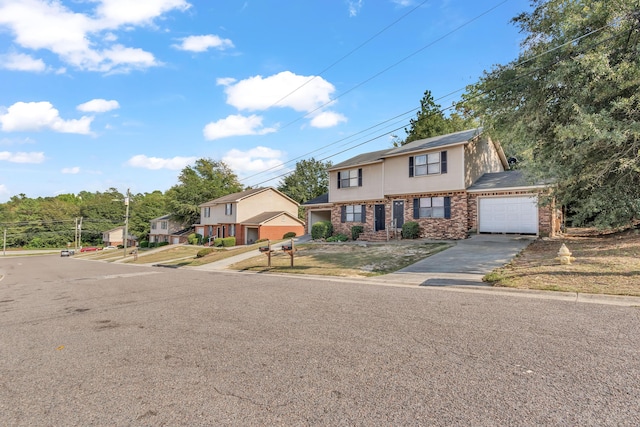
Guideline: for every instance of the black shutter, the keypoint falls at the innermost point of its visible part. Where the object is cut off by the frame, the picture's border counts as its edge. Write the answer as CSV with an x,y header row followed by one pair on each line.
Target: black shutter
x,y
447,207
339,182
343,214
416,208
360,177
443,162
364,212
410,166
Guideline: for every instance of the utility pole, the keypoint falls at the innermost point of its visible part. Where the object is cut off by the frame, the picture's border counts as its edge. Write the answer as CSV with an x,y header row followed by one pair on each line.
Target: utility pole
x,y
80,233
4,244
126,222
75,236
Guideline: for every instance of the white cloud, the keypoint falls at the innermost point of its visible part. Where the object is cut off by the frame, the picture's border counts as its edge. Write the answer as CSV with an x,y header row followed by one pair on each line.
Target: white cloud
x,y
236,125
327,119
114,13
403,3
255,160
4,191
77,38
285,89
98,106
354,7
225,81
154,163
21,62
74,170
36,116
202,43
22,157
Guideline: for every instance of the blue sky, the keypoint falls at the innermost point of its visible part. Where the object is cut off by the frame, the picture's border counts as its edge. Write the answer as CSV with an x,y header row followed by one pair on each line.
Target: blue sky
x,y
118,93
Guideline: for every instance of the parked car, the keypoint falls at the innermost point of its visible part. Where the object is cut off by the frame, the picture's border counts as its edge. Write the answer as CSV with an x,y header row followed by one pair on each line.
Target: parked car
x,y
65,252
89,249
106,248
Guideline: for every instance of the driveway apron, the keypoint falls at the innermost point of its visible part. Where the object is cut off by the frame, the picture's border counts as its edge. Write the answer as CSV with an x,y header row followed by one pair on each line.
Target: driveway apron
x,y
463,264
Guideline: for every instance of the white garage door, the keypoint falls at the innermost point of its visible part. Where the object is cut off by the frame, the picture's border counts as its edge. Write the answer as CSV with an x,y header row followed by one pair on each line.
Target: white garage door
x,y
508,215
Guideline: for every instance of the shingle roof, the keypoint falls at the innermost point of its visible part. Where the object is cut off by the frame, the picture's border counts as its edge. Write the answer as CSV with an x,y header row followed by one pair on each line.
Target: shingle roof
x,y
318,200
266,216
502,180
361,159
234,197
437,141
419,145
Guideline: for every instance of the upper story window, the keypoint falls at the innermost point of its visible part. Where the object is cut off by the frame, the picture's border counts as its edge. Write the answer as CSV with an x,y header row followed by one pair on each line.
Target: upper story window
x,y
163,225
353,213
154,225
428,164
432,207
228,209
207,212
350,178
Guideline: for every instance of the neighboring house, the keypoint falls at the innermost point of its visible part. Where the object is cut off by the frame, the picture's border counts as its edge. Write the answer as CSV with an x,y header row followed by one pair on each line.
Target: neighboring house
x,y
450,184
250,215
115,237
163,229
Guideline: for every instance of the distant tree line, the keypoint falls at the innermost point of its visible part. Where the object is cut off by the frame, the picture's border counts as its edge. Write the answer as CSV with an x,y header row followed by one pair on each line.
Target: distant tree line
x,y
53,222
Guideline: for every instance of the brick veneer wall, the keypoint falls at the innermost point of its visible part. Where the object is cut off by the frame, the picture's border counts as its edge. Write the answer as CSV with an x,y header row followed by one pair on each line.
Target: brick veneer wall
x,y
455,227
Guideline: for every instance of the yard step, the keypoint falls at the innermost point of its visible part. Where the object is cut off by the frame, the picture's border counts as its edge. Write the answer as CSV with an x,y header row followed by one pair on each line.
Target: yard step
x,y
378,236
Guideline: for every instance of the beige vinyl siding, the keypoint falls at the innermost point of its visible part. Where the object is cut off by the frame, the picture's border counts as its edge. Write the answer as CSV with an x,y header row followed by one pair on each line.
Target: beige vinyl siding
x,y
397,180
282,220
372,185
481,157
264,201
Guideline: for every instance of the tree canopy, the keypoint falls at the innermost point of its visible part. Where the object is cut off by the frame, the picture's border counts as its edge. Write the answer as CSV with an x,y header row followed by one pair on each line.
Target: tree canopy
x,y
206,180
309,180
569,105
431,121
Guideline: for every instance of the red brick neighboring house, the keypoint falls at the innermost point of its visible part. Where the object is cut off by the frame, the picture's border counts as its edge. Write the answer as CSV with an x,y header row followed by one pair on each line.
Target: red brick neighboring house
x,y
250,215
450,185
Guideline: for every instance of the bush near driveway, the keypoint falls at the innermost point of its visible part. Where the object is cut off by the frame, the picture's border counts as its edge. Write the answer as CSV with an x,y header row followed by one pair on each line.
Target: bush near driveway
x,y
604,264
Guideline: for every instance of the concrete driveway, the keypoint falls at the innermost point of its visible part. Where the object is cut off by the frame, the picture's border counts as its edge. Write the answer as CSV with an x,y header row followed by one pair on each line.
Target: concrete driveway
x,y
463,264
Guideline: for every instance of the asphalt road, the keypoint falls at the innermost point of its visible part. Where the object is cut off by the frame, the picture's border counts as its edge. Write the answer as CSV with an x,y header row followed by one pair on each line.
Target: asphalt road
x,y
90,343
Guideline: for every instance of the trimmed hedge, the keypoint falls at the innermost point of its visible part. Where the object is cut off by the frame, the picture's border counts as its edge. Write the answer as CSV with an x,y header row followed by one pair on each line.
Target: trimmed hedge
x,y
204,252
410,230
356,231
225,242
289,235
321,230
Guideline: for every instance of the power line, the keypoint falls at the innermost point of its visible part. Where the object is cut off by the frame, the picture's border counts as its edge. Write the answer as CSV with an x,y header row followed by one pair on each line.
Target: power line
x,y
458,90
370,78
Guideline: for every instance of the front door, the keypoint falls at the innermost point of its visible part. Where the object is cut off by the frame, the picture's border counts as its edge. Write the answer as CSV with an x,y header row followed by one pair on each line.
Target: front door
x,y
379,218
398,213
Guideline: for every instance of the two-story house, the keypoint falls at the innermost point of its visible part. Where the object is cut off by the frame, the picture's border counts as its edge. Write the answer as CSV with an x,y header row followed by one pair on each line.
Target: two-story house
x,y
164,229
250,215
449,184
115,237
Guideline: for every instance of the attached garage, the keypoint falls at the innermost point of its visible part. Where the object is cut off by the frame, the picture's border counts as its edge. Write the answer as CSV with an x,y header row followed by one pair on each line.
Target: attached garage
x,y
515,214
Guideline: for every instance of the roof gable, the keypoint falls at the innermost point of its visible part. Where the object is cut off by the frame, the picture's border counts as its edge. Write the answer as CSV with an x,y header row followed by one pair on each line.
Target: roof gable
x,y
236,197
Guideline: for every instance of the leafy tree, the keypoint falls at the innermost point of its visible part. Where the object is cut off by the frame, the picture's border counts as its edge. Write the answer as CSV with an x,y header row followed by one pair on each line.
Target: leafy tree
x,y
431,121
144,208
206,180
569,105
309,180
